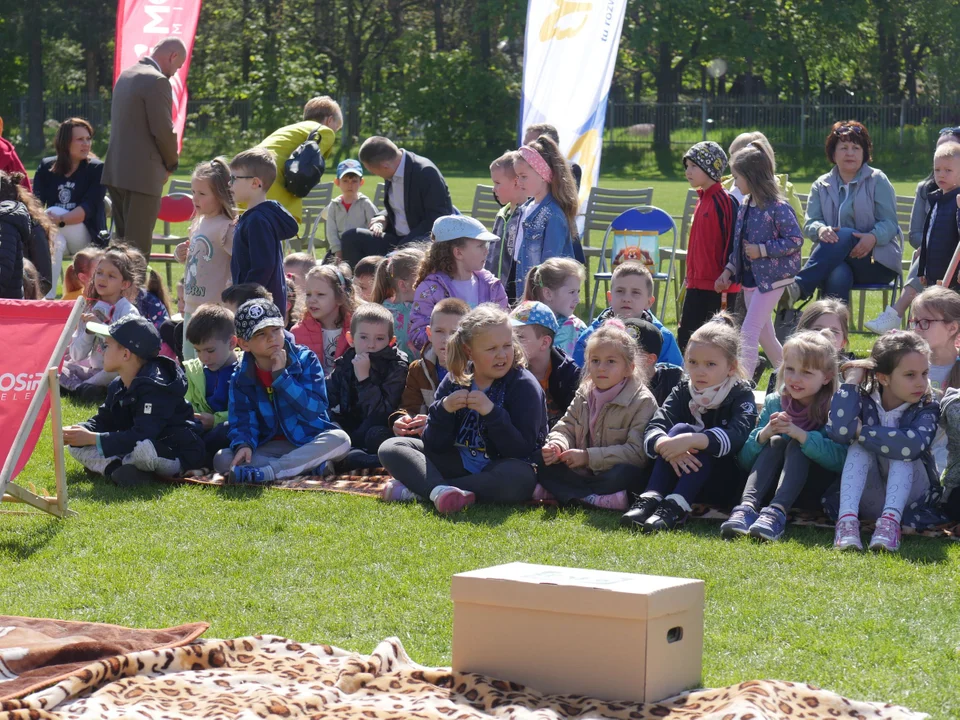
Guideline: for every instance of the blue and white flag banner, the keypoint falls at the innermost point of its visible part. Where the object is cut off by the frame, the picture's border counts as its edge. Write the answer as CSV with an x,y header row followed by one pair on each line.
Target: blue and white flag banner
x,y
570,51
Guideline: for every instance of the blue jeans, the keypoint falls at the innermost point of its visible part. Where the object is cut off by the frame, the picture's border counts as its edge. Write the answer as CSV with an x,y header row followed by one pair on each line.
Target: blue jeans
x,y
831,269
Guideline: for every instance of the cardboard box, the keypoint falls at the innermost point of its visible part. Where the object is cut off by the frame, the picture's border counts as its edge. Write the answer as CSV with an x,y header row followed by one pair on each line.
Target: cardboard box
x,y
609,635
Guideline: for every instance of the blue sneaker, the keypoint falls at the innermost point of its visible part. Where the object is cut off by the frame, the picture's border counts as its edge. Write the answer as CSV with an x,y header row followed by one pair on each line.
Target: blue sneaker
x,y
771,524
742,517
249,475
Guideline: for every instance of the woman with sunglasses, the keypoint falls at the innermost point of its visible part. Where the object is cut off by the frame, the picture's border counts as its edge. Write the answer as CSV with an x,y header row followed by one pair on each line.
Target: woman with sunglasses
x,y
891,317
852,219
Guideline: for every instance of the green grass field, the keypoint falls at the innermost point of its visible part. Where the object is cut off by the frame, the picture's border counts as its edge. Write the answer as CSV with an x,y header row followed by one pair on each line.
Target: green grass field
x,y
351,571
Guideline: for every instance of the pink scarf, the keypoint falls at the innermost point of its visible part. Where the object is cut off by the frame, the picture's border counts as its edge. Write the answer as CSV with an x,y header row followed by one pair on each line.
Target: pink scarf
x,y
596,399
709,399
799,414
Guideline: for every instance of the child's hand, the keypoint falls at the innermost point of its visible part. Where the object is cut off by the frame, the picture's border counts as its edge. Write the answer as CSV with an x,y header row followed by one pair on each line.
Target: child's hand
x,y
551,453
574,458
77,436
361,366
181,251
751,251
278,361
89,317
406,425
243,456
671,449
686,464
723,282
205,419
455,401
478,400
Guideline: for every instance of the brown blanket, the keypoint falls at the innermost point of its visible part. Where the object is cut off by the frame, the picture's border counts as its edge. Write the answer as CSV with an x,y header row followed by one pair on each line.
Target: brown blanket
x,y
36,653
273,677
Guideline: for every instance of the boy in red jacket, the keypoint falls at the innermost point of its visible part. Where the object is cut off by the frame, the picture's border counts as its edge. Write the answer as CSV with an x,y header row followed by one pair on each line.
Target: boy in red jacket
x,y
710,234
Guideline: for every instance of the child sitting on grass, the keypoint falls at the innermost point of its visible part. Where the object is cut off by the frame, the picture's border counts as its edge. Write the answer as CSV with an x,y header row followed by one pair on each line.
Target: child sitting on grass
x,y
631,296
535,326
145,426
595,453
425,374
830,315
366,384
211,332
393,288
236,295
328,304
663,377
364,277
296,266
77,276
279,427
556,283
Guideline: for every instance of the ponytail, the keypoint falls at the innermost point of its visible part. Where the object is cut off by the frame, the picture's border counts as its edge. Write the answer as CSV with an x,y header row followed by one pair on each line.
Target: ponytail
x,y
157,287
532,284
563,187
383,286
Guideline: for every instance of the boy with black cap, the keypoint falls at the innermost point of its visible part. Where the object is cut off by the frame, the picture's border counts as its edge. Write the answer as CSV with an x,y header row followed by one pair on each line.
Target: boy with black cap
x,y
711,233
279,427
145,426
664,376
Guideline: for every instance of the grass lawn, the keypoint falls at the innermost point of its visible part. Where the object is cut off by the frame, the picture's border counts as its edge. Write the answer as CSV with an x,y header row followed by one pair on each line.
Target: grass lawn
x,y
351,571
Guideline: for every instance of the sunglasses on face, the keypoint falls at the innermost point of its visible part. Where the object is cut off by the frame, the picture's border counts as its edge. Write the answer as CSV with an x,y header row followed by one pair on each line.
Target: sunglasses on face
x,y
847,129
955,130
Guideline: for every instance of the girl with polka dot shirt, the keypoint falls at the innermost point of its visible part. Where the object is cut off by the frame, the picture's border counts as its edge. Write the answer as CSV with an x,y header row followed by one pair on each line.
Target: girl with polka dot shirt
x,y
886,412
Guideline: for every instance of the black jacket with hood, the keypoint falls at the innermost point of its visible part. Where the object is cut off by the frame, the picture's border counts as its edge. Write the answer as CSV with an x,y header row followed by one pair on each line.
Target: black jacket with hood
x,y
373,400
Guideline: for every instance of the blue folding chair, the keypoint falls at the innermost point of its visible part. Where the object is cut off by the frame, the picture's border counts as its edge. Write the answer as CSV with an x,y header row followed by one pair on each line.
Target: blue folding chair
x,y
640,219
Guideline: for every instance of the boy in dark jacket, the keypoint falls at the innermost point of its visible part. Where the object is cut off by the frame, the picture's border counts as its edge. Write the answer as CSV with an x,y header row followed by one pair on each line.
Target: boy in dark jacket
x,y
366,384
664,377
145,426
262,228
535,326
279,426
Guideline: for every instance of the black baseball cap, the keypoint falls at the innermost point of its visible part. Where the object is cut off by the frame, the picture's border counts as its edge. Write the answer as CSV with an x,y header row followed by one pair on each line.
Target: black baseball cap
x,y
646,335
255,315
134,332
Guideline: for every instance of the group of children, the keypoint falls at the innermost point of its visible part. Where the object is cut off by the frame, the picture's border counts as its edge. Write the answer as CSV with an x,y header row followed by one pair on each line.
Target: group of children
x,y
461,367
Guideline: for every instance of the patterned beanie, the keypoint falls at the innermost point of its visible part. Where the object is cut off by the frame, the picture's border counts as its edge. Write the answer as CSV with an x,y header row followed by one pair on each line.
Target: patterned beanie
x,y
709,157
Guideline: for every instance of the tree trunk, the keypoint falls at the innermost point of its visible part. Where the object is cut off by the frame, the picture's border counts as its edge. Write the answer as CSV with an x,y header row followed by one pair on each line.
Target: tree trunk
x,y
35,141
438,24
666,93
887,47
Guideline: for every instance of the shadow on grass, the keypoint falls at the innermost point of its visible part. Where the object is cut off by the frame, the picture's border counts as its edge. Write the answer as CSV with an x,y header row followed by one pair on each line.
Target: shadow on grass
x,y
32,532
99,489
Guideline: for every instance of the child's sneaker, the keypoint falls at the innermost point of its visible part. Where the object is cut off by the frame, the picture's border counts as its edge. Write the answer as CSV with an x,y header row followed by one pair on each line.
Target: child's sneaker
x,y
667,517
640,511
770,525
250,475
396,491
541,494
614,501
847,534
884,322
739,522
886,536
451,499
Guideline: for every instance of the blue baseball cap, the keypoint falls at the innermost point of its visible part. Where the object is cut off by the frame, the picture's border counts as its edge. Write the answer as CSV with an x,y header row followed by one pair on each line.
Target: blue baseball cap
x,y
134,332
532,312
454,227
349,166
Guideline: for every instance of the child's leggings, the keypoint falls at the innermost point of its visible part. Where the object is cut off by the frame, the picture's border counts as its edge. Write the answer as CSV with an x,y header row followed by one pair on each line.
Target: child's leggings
x,y
859,464
782,462
502,481
758,327
566,484
664,480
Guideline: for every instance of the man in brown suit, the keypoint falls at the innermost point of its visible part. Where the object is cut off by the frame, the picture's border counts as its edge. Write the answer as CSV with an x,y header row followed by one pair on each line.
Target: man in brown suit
x,y
142,152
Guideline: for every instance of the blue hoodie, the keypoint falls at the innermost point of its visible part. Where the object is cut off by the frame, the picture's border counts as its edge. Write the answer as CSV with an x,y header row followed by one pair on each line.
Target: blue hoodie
x,y
669,353
258,248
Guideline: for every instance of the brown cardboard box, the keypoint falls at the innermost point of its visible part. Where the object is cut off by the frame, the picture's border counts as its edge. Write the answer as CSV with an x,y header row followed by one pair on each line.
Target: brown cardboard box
x,y
609,635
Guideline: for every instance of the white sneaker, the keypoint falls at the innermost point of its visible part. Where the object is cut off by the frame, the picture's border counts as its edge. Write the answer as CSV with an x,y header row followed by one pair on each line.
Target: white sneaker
x,y
884,322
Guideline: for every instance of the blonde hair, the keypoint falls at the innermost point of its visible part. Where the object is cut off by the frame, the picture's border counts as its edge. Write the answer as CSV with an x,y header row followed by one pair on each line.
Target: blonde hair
x,y
756,168
320,108
760,140
885,355
401,264
302,261
341,283
948,149
217,173
723,333
505,163
944,302
816,352
552,273
259,162
613,333
828,306
481,318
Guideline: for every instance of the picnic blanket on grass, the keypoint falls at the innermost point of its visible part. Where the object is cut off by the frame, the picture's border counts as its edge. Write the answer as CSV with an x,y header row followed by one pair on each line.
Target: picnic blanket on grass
x,y
369,483
268,676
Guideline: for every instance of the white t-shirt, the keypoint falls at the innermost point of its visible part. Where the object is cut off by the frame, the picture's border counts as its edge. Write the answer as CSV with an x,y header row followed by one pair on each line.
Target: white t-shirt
x,y
467,290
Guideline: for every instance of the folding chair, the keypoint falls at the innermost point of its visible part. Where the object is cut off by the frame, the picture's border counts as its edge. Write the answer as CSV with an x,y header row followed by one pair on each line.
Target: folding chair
x,y
643,219
174,208
180,186
313,206
485,206
680,253
603,206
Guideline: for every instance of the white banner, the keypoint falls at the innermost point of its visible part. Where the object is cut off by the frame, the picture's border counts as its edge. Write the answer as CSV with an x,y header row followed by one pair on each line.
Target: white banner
x,y
570,51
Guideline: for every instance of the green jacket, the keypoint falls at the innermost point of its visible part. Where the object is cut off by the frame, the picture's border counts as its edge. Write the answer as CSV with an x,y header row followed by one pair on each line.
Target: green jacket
x,y
785,186
283,142
197,390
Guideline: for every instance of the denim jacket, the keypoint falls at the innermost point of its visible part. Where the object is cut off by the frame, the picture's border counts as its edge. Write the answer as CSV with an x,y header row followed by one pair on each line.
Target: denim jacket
x,y
546,234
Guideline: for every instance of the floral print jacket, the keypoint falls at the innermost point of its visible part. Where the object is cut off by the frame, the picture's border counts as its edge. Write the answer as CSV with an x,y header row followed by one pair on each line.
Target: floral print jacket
x,y
776,231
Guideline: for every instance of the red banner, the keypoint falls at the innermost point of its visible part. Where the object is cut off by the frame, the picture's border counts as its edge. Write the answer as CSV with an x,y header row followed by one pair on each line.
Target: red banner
x,y
30,331
141,24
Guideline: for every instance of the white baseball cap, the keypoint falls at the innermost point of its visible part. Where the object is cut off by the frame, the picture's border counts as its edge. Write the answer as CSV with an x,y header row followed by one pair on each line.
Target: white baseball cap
x,y
454,227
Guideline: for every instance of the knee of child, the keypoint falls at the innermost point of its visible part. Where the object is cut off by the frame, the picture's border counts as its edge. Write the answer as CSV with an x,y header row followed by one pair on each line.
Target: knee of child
x,y
222,461
683,428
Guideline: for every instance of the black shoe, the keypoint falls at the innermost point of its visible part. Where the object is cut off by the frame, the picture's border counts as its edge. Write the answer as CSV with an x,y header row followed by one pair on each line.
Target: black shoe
x,y
668,516
91,394
640,512
130,476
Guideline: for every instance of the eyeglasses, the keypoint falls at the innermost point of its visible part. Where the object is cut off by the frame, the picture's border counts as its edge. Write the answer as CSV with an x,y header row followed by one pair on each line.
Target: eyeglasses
x,y
234,178
923,324
950,130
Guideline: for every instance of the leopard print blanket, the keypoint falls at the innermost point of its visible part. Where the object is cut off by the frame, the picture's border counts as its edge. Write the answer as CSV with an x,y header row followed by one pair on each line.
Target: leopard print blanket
x,y
271,677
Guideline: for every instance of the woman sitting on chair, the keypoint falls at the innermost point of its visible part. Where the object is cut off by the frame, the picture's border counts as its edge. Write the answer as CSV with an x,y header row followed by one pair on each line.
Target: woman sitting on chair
x,y
852,220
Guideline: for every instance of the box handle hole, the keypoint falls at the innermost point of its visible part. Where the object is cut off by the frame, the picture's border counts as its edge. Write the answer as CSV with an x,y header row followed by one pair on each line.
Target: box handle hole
x,y
675,634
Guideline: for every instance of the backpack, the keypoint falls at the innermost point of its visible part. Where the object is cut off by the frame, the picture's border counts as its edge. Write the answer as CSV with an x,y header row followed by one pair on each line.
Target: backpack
x,y
304,168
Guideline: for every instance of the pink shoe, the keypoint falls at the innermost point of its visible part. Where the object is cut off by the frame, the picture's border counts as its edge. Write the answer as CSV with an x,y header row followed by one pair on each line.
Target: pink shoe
x,y
615,501
396,491
847,534
453,499
541,494
886,536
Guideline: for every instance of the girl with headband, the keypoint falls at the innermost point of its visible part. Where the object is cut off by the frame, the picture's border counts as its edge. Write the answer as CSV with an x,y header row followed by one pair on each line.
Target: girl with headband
x,y
548,219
